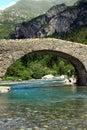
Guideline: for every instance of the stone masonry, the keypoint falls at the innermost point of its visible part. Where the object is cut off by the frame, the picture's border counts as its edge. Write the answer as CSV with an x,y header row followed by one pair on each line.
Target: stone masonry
x,y
75,53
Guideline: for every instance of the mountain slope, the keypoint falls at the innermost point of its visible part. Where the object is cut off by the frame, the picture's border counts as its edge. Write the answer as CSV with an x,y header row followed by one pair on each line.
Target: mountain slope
x,y
59,19
24,10
27,9
36,7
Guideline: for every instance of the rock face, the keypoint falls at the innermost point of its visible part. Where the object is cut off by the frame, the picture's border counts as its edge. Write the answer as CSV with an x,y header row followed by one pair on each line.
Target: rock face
x,y
60,19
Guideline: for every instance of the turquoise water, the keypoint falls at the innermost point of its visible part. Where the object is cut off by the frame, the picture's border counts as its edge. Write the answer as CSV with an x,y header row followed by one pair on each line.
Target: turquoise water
x,y
42,105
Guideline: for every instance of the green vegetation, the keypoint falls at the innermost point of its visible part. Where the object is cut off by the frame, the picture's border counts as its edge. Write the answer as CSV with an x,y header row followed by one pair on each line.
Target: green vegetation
x,y
36,65
24,10
8,23
6,29
78,35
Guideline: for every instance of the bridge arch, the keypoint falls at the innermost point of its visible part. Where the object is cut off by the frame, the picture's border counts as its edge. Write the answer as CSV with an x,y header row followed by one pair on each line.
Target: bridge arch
x,y
75,53
78,65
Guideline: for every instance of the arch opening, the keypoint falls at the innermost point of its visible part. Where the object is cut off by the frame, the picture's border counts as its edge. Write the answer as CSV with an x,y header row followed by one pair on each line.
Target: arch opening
x,y
79,67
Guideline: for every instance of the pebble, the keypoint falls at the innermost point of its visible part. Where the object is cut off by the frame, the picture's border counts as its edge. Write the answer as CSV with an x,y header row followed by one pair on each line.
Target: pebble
x,y
35,111
29,129
45,126
22,128
85,115
79,128
36,128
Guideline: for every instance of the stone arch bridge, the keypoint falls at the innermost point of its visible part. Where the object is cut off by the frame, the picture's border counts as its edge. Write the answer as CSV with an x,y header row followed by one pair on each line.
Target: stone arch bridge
x,y
76,54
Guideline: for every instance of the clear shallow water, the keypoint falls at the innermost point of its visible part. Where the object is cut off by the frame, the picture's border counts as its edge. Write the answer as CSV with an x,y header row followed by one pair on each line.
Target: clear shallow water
x,y
43,105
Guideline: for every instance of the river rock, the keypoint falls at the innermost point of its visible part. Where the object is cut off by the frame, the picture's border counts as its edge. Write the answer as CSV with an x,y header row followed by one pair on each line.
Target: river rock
x,y
4,89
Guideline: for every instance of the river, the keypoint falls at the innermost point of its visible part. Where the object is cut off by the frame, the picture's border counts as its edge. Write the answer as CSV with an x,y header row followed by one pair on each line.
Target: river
x,y
42,105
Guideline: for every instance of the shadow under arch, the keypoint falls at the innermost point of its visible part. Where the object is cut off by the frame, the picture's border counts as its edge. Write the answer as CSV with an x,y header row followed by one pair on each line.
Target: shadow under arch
x,y
78,65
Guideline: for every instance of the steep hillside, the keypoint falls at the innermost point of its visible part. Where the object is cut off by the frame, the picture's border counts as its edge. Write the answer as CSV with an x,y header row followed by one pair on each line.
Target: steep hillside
x,y
0,12
24,10
31,8
60,19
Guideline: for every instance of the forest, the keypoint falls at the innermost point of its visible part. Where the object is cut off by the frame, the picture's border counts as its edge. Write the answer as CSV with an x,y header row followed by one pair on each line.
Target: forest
x,y
37,64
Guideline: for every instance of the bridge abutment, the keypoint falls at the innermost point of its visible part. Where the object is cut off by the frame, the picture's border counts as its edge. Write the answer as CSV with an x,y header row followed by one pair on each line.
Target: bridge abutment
x,y
82,79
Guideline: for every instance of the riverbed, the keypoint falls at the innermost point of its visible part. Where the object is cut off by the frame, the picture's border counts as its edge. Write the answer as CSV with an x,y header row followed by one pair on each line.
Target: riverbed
x,y
42,105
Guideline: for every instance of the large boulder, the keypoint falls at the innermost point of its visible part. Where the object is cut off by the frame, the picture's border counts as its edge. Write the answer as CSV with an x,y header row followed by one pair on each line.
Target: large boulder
x,y
4,89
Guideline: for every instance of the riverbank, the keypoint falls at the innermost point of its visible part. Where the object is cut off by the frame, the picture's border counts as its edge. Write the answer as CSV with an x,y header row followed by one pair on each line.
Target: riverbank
x,y
63,79
4,83
49,81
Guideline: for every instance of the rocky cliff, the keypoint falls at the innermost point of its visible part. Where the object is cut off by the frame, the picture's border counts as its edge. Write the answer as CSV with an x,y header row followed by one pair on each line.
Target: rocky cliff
x,y
59,18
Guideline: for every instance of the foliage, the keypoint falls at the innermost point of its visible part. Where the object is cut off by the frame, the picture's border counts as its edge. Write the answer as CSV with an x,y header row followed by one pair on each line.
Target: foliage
x,y
5,29
77,35
37,65
10,78
17,70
